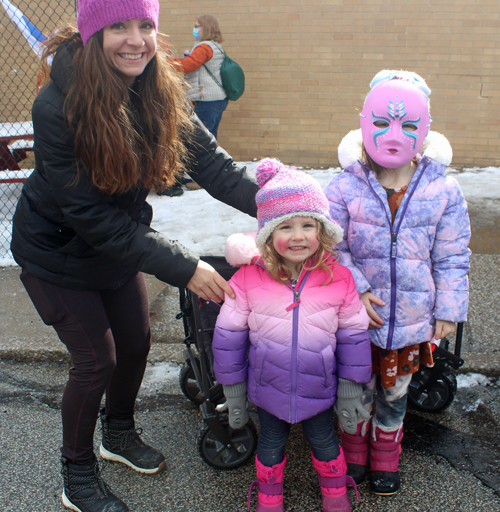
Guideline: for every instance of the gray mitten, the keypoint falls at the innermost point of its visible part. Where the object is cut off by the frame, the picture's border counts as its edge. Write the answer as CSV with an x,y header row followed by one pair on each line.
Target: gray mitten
x,y
349,408
236,404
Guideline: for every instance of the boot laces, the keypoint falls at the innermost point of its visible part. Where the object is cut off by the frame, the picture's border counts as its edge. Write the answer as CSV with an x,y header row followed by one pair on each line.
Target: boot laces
x,y
126,438
88,482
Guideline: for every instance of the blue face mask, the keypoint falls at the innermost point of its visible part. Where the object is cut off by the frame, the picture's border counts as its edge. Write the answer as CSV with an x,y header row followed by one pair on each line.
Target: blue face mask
x,y
196,33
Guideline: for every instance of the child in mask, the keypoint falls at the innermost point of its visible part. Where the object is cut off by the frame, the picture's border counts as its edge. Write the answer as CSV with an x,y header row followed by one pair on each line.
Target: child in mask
x,y
295,335
406,232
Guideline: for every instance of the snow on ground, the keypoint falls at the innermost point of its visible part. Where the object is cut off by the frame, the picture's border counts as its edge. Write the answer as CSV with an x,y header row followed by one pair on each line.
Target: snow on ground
x,y
158,376
470,380
473,407
161,375
202,224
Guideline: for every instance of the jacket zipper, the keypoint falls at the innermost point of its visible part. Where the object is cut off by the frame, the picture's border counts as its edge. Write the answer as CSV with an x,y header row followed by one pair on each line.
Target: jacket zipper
x,y
295,342
393,254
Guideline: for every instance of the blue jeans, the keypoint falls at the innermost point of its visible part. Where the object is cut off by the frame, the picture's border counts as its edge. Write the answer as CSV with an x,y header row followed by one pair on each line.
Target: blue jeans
x,y
319,432
210,113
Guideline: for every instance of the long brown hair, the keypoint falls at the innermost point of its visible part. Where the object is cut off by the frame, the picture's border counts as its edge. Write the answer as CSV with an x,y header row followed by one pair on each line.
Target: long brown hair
x,y
124,137
211,29
278,270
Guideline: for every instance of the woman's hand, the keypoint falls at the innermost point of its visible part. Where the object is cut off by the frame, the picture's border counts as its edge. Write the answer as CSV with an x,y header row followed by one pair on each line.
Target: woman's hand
x,y
367,298
209,284
443,328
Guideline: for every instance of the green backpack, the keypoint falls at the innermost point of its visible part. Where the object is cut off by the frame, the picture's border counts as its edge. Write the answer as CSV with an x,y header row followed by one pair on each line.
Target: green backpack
x,y
232,77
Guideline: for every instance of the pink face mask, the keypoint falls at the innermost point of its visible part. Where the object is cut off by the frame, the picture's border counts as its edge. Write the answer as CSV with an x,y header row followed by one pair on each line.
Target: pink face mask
x,y
394,123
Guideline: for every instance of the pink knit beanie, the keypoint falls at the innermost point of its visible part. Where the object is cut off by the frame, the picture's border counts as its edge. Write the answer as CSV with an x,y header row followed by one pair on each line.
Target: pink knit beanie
x,y
286,192
94,15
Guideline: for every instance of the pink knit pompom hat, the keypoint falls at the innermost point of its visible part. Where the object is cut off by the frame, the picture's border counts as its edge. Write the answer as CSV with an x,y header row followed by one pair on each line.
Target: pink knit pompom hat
x,y
94,15
286,192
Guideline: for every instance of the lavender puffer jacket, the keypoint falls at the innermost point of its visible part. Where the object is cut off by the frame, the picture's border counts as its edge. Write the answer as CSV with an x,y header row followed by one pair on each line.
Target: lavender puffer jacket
x,y
292,345
419,265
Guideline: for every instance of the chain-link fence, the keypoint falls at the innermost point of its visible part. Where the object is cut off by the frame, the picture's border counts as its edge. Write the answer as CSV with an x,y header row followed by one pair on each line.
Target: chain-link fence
x,y
24,26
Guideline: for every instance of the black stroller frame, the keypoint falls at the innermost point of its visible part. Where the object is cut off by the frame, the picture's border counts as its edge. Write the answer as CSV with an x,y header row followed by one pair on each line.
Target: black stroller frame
x,y
220,446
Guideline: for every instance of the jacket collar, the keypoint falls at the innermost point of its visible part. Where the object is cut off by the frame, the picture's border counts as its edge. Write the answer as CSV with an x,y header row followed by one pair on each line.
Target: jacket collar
x,y
241,249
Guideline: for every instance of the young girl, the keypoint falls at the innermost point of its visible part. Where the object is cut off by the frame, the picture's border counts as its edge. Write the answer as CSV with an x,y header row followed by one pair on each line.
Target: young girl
x,y
406,234
110,124
295,329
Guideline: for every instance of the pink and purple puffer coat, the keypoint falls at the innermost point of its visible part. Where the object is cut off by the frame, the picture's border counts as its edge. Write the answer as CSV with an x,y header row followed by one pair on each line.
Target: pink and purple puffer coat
x,y
419,265
292,343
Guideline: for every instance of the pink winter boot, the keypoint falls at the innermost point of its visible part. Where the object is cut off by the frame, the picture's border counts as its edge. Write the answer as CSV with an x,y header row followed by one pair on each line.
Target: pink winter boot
x,y
385,448
270,484
333,481
356,448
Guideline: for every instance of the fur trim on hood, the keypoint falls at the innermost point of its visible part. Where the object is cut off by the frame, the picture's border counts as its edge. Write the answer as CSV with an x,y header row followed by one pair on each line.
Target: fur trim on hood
x,y
241,249
436,146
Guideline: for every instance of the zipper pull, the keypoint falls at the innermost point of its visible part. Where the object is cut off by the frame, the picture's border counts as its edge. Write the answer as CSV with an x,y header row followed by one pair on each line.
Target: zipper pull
x,y
294,305
394,245
296,297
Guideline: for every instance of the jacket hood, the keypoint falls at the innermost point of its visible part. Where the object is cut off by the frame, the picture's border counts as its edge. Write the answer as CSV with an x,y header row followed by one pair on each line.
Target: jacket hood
x,y
241,249
436,147
62,71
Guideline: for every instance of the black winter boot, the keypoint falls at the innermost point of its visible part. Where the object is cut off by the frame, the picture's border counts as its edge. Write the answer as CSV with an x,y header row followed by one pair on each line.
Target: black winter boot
x,y
86,491
121,442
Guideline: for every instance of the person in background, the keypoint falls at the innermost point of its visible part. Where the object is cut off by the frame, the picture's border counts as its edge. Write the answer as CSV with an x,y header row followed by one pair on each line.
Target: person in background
x,y
406,232
210,99
111,124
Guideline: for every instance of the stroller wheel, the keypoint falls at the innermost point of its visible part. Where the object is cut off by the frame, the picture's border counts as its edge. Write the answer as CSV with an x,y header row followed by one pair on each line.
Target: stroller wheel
x,y
432,395
188,383
217,455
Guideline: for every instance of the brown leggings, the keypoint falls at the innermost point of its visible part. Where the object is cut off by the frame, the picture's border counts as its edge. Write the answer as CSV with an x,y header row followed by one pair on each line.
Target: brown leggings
x,y
108,336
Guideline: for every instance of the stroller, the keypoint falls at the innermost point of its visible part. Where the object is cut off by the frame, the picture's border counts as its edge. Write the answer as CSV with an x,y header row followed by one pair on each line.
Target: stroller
x,y
431,389
219,445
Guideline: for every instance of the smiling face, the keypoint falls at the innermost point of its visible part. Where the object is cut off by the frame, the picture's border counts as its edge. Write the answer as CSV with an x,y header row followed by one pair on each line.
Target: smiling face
x,y
129,46
296,240
394,123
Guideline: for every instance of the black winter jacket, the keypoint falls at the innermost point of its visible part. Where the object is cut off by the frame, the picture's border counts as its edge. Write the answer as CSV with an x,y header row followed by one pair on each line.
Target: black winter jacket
x,y
68,233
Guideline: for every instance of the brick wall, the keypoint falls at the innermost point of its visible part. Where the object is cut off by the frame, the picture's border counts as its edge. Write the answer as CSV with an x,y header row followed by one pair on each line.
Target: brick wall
x,y
308,64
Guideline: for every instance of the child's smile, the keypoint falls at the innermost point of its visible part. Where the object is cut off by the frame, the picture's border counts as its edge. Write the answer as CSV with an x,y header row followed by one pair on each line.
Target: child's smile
x,y
296,240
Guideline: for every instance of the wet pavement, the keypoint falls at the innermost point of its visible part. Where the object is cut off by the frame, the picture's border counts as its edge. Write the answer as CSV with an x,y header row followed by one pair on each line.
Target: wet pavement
x,y
450,461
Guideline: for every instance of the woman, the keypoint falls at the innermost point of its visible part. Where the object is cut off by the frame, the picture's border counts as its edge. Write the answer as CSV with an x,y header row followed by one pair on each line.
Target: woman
x,y
201,66
110,124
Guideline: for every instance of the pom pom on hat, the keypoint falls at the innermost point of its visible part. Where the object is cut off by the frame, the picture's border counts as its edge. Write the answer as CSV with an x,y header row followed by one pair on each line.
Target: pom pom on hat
x,y
286,192
94,15
267,169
